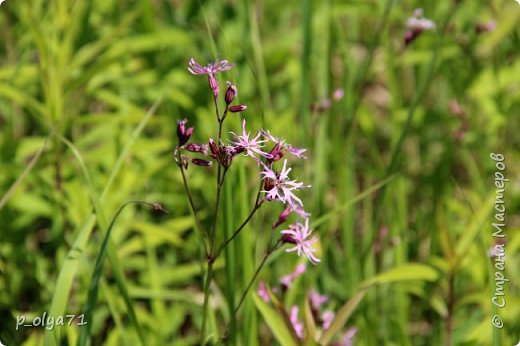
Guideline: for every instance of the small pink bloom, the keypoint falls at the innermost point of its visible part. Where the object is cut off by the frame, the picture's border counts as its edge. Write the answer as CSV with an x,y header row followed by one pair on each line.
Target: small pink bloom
x,y
418,22
281,145
288,279
327,317
296,324
252,146
281,187
297,234
348,337
212,68
263,292
338,94
317,299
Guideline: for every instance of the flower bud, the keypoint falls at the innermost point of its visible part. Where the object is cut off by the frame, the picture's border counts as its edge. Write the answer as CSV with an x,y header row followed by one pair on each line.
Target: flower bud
x,y
288,239
231,92
213,84
201,162
237,108
282,217
197,148
276,153
213,148
183,133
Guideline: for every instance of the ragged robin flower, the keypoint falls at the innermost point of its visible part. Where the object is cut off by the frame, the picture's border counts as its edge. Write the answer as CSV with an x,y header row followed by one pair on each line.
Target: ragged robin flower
x,y
297,234
281,187
210,70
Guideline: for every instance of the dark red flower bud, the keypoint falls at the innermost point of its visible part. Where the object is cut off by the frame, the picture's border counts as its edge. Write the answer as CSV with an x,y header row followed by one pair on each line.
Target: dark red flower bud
x,y
237,108
282,217
288,239
276,153
197,148
201,162
411,35
183,133
213,148
231,92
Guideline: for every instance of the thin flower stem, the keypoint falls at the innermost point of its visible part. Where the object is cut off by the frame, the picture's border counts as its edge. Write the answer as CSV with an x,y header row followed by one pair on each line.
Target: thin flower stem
x,y
203,234
257,205
210,257
207,283
268,253
260,266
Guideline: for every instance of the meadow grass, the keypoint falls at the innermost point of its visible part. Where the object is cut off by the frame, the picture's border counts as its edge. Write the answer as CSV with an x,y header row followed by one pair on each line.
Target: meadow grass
x,y
402,193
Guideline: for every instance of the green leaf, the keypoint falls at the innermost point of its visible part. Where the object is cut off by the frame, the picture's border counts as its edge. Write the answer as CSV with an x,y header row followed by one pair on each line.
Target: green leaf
x,y
275,322
405,272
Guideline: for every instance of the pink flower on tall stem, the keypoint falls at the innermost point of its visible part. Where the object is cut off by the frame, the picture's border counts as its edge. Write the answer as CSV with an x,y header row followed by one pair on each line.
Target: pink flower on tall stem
x,y
297,234
287,280
281,187
252,146
211,70
281,146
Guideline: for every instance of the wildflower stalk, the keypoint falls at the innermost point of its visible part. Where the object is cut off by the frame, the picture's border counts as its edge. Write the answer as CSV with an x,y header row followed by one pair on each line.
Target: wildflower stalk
x,y
267,254
210,257
203,233
257,205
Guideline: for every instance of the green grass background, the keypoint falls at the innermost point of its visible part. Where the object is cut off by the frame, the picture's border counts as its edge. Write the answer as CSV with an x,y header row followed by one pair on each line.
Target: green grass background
x,y
90,92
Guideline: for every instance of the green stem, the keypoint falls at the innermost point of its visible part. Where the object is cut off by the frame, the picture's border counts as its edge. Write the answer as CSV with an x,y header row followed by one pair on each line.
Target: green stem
x,y
209,274
203,234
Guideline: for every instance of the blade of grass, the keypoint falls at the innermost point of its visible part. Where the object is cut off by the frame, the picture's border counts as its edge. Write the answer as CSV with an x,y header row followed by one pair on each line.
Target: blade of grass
x,y
70,265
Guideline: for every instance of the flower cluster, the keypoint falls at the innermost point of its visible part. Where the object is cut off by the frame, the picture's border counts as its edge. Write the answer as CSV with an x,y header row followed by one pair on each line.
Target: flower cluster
x,y
322,317
416,24
264,149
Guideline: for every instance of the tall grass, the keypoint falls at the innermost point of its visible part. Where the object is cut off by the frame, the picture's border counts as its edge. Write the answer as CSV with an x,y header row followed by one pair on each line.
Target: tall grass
x,y
402,204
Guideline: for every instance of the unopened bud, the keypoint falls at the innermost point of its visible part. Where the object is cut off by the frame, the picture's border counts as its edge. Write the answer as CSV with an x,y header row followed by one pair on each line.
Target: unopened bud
x,y
197,148
183,133
201,162
288,239
231,92
237,108
282,217
213,148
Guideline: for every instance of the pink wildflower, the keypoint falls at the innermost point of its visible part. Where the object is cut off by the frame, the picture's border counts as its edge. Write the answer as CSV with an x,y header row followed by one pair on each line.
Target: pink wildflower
x,y
282,146
252,146
211,70
348,337
296,324
418,22
317,299
327,317
297,234
281,187
263,292
288,279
